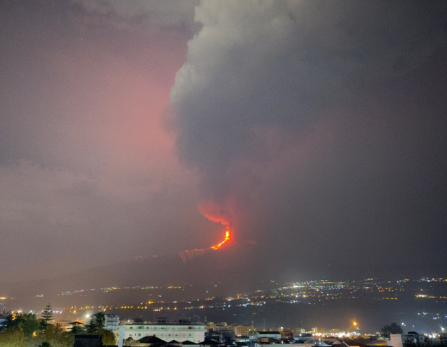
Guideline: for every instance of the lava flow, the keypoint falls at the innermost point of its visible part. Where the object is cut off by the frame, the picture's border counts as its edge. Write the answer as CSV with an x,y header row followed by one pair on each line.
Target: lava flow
x,y
193,253
227,238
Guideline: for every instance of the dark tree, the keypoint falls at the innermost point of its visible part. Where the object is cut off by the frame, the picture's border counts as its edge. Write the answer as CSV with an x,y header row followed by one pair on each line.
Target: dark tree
x,y
77,329
393,328
100,319
11,322
27,322
108,338
91,327
56,336
47,314
96,324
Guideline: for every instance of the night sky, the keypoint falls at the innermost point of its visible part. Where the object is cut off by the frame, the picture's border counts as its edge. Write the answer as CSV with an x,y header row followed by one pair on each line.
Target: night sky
x,y
316,129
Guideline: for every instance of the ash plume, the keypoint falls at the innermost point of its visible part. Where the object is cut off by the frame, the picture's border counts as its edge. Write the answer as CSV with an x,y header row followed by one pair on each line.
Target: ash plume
x,y
286,111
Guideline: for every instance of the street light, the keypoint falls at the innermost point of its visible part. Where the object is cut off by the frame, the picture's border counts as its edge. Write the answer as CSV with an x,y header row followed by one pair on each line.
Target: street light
x,y
355,324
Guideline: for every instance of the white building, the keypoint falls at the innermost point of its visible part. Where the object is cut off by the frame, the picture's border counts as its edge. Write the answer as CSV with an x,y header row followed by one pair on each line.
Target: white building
x,y
112,322
396,340
183,331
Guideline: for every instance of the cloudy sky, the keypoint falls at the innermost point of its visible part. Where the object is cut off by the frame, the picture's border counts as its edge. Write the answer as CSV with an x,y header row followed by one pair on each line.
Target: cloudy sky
x,y
316,129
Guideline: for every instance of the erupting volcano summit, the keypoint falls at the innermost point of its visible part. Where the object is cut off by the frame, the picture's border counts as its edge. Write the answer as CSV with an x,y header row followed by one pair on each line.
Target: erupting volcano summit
x,y
227,238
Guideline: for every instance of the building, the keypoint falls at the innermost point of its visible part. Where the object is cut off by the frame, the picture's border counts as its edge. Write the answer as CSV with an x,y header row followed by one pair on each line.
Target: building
x,y
112,322
244,330
3,319
286,334
212,326
298,331
219,332
413,337
219,327
268,334
396,340
65,324
181,331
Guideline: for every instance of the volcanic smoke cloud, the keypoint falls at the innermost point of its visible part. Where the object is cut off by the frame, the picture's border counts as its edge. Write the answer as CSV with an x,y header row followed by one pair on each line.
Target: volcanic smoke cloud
x,y
293,112
315,131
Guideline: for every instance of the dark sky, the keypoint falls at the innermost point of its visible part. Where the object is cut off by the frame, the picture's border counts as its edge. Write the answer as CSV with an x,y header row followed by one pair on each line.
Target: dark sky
x,y
316,129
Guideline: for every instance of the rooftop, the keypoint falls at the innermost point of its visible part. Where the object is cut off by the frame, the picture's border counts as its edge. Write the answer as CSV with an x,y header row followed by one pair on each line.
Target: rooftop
x,y
163,323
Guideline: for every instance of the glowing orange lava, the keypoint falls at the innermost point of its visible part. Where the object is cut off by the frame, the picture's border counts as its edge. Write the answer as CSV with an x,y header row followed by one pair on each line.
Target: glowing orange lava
x,y
227,238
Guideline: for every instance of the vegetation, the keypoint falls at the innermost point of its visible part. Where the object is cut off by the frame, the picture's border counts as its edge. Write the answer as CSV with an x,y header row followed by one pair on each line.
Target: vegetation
x,y
96,323
12,337
47,316
96,327
25,330
76,329
56,336
27,322
108,338
393,328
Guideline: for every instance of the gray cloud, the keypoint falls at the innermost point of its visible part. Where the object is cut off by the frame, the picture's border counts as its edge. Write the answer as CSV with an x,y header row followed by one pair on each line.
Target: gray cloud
x,y
283,88
283,63
142,14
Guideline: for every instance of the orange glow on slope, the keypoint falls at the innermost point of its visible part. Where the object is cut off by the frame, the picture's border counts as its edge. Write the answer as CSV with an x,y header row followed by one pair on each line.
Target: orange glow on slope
x,y
227,238
216,214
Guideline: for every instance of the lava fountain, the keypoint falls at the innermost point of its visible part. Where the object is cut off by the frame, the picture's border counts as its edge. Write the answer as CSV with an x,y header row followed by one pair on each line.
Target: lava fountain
x,y
213,217
227,238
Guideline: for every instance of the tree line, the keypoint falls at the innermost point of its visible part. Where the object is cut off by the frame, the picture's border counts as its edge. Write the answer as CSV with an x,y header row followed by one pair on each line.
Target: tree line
x,y
26,330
